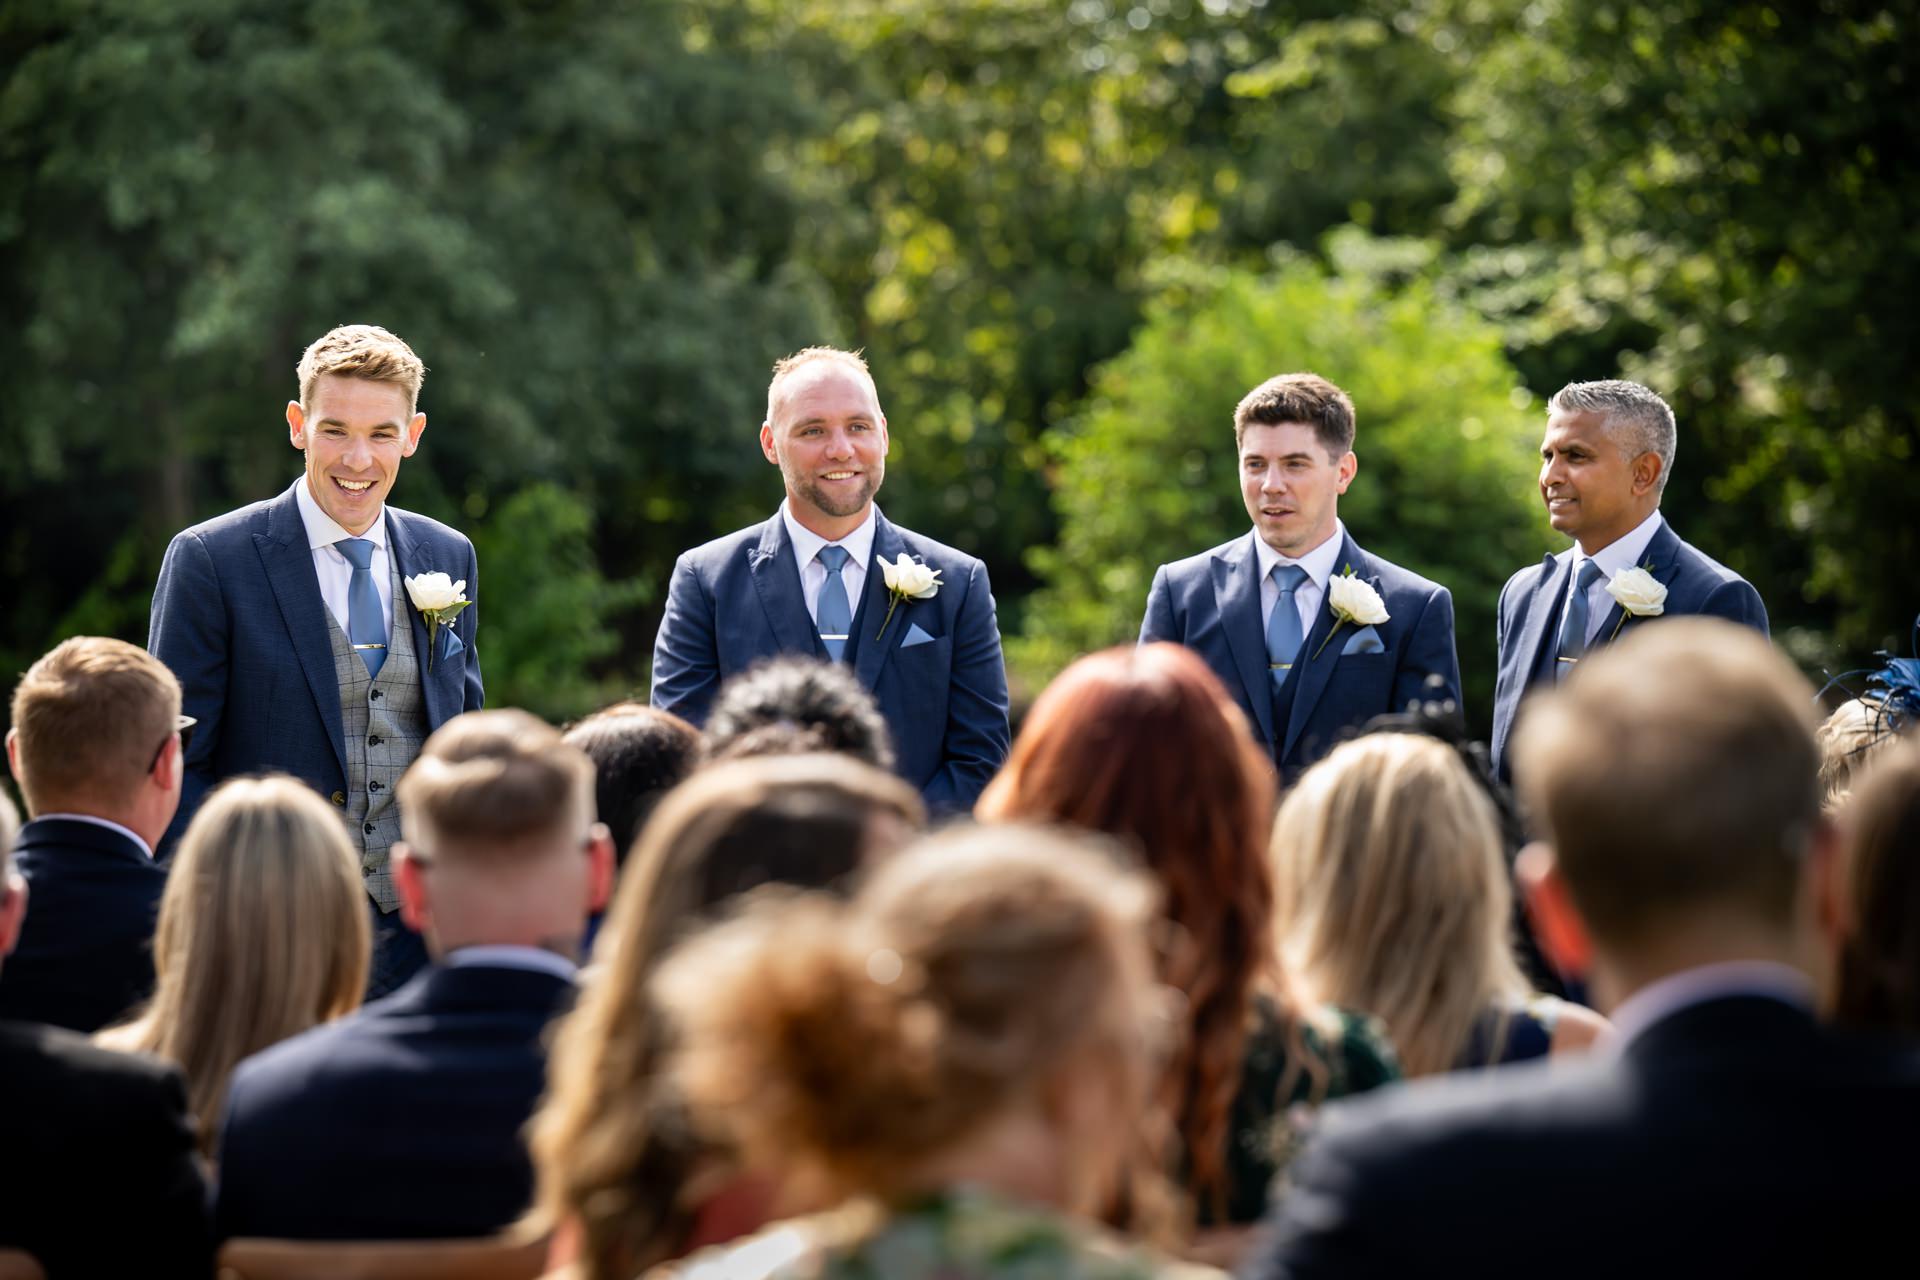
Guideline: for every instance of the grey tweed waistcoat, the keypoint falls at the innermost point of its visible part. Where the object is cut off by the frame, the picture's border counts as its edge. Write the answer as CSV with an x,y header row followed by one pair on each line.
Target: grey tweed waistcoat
x,y
385,723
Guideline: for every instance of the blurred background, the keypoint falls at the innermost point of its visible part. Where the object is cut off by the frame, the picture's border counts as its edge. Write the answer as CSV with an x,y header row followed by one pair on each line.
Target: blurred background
x,y
1068,234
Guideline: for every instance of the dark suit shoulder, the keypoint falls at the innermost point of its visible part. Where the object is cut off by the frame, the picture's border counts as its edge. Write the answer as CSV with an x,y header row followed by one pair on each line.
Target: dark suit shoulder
x,y
1698,561
34,1052
921,545
1396,577
727,546
241,522
427,526
1197,564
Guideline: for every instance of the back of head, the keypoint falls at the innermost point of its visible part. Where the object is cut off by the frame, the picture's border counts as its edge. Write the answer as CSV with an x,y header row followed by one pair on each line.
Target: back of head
x,y
1876,980
786,704
983,971
810,822
1391,892
263,932
89,716
1677,776
639,754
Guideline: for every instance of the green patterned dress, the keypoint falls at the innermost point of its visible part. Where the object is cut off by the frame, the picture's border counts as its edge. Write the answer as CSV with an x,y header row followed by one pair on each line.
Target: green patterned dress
x,y
964,1234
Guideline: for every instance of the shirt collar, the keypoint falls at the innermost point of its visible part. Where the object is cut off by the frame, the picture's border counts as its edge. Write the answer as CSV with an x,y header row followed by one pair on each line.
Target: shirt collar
x,y
506,956
108,823
1622,553
807,543
323,530
1669,995
1319,562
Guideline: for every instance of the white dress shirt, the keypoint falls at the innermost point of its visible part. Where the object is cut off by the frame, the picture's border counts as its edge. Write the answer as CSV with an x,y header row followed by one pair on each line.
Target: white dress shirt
x,y
1622,553
334,569
813,574
1319,564
108,823
507,956
1669,995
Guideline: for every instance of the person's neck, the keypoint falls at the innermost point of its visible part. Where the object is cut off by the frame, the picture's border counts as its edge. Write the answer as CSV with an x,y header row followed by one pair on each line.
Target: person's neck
x,y
1621,970
133,817
556,940
1014,1156
832,528
1592,544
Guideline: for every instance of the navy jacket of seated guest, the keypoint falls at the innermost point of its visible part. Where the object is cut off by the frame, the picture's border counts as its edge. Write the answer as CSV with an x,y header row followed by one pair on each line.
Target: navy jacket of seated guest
x,y
401,1121
934,666
85,955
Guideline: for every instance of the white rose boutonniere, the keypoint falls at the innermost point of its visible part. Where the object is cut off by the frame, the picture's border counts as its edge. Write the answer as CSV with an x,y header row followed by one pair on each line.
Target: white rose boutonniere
x,y
439,600
1355,601
907,579
1640,596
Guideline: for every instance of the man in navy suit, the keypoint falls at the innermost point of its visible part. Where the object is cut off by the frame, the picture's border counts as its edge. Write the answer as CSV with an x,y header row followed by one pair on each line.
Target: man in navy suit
x,y
1604,461
293,637
96,746
1265,610
403,1120
811,581
1722,1131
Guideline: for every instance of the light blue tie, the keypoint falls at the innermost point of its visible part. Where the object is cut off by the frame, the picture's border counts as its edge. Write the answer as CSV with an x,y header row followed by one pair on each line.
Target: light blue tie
x,y
1283,625
1573,627
832,613
366,621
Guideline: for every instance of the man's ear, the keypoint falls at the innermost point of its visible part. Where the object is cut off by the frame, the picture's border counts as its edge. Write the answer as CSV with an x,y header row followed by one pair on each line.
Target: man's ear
x,y
1348,466
410,882
13,756
296,425
415,429
13,909
766,443
170,765
1646,472
1557,925
600,869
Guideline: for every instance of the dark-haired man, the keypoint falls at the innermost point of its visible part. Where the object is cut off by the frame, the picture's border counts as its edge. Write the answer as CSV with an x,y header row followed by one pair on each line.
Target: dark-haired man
x,y
1310,634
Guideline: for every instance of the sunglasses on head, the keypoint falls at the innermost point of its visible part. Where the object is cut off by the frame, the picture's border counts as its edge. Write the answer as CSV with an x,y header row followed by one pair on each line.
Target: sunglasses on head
x,y
182,726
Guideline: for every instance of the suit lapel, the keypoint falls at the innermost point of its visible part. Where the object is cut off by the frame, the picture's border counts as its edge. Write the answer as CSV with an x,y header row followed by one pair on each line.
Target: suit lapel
x,y
871,654
776,577
288,562
1313,672
440,689
1536,633
1236,586
1663,554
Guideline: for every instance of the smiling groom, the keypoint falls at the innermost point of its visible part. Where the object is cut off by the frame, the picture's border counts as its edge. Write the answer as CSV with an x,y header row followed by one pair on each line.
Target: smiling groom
x,y
825,577
291,631
1310,634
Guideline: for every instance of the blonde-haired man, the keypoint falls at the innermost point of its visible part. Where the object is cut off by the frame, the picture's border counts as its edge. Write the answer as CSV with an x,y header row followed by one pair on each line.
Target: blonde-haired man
x,y
502,863
96,746
292,634
814,581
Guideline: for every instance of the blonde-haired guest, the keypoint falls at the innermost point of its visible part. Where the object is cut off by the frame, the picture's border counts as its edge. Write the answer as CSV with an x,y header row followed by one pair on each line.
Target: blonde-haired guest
x,y
262,934
1392,896
955,1061
1858,730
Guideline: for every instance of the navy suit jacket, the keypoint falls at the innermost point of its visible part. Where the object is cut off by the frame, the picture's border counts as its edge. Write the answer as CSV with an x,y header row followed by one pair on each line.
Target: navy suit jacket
x,y
237,616
1532,600
1211,604
85,955
1730,1138
100,1175
937,673
400,1121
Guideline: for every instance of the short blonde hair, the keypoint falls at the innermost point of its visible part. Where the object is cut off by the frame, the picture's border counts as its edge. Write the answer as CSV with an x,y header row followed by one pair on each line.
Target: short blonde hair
x,y
1391,893
491,778
786,365
90,715
363,351
1675,769
1850,738
263,933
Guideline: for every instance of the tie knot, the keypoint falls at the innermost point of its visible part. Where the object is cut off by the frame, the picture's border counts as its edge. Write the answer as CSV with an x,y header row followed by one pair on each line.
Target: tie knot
x,y
1288,577
835,558
358,551
1589,574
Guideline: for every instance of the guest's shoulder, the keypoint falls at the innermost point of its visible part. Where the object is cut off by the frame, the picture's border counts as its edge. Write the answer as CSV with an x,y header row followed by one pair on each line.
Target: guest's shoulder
x,y
297,1066
42,1062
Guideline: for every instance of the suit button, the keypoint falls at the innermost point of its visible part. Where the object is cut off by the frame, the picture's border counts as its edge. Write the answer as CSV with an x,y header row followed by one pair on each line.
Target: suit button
x,y
373,741
340,798
369,828
375,694
373,786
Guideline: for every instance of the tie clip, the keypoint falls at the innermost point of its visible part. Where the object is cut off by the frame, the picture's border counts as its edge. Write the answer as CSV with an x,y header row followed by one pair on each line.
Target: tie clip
x,y
1566,659
825,636
369,646
1279,666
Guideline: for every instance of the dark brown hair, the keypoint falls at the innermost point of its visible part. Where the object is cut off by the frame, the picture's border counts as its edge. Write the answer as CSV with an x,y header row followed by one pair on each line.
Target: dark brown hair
x,y
1305,398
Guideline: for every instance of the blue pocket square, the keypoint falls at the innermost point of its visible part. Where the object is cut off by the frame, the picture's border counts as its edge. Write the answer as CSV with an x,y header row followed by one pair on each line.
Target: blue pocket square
x,y
1365,640
450,646
915,636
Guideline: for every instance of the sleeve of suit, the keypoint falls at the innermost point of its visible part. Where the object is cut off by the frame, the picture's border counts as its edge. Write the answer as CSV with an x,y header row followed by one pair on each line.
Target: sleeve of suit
x,y
1320,1229
977,734
686,653
1158,624
1737,601
468,625
189,633
164,1202
1429,651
